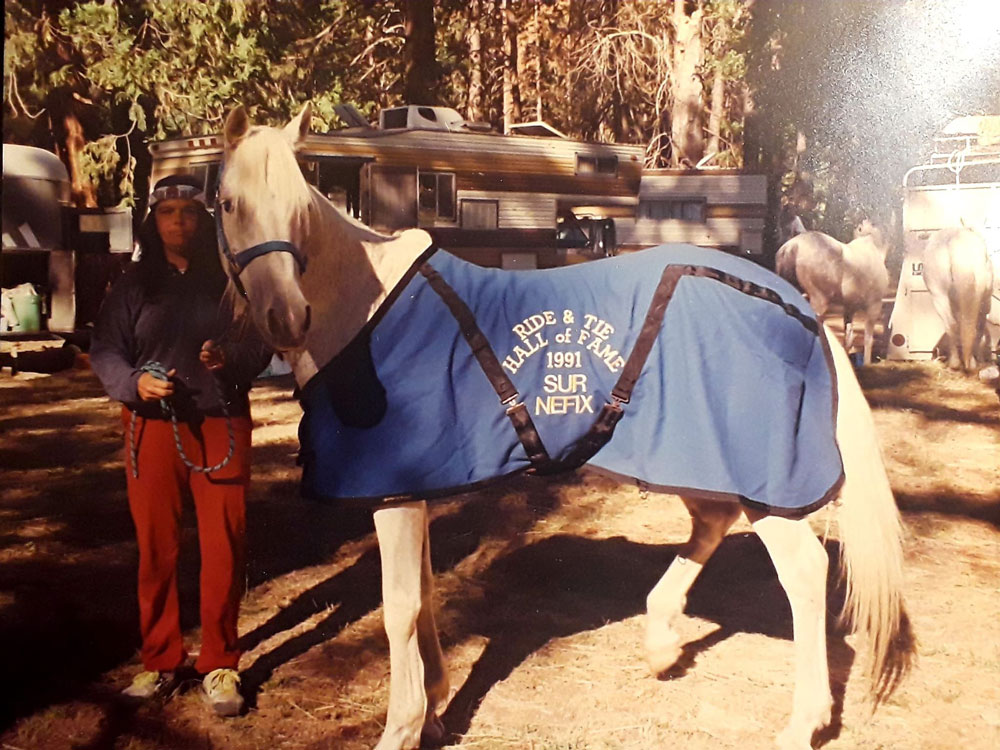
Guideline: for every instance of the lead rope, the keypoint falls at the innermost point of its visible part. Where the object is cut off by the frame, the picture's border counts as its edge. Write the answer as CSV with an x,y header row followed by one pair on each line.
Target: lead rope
x,y
159,371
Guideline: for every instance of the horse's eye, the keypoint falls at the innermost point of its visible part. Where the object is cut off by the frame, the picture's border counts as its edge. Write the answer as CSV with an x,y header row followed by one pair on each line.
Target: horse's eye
x,y
227,206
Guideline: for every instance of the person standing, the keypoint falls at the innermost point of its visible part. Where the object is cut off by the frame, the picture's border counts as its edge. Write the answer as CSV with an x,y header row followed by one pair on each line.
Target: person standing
x,y
164,343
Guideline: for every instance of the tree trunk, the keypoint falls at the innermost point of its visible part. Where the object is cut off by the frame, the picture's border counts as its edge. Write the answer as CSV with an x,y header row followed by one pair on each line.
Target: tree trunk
x,y
511,95
82,191
474,108
420,62
716,112
685,121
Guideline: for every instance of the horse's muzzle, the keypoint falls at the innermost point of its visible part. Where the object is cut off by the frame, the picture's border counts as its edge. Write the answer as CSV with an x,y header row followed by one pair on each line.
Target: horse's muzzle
x,y
286,329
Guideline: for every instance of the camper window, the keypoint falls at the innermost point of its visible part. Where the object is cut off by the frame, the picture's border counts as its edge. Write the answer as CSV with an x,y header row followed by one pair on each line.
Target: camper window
x,y
394,118
684,209
589,164
437,194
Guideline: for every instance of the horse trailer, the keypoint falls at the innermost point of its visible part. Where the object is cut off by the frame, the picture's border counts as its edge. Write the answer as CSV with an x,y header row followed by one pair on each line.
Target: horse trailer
x,y
530,198
958,186
56,257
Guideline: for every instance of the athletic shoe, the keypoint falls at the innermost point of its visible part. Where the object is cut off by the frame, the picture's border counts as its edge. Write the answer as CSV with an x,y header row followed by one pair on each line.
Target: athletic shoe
x,y
150,684
222,692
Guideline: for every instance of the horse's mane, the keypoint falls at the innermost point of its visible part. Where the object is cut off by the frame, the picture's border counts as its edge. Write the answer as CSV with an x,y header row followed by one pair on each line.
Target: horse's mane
x,y
264,163
281,178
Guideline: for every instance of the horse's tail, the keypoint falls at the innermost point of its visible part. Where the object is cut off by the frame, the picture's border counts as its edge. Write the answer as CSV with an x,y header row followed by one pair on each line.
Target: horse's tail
x,y
871,540
969,284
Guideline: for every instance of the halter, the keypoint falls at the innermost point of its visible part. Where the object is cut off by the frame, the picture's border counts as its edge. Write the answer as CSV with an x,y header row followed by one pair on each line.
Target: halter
x,y
239,261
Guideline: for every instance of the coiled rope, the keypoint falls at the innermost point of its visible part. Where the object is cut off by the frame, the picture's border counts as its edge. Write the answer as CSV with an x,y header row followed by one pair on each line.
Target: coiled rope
x,y
157,370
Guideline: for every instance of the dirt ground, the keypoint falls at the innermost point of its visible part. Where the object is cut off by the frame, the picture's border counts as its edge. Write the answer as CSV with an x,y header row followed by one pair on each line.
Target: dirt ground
x,y
541,583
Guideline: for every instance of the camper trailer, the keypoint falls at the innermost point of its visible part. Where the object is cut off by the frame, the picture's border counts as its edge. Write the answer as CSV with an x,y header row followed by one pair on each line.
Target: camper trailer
x,y
494,199
720,208
958,186
532,198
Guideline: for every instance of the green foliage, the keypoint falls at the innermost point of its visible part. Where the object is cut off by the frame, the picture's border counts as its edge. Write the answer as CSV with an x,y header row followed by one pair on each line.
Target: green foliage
x,y
863,85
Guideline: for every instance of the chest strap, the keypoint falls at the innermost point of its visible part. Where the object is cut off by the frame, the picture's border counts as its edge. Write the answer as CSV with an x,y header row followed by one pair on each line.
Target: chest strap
x,y
603,428
517,412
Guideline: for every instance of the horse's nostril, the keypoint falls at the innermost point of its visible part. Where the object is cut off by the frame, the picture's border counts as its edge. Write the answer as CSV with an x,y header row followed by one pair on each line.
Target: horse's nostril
x,y
273,326
308,320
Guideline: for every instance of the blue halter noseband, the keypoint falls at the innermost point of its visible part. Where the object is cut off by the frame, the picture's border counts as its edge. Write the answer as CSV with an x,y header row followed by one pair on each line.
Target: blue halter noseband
x,y
239,261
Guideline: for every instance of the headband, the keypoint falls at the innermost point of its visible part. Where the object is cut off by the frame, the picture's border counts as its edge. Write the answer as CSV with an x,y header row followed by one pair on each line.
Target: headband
x,y
177,192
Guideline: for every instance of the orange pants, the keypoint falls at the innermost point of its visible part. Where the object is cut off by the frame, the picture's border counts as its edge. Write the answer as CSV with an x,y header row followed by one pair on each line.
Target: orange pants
x,y
220,505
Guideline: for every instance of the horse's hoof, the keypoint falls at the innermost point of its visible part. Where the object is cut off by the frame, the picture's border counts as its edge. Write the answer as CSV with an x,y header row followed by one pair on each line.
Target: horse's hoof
x,y
798,734
663,649
793,740
399,739
433,733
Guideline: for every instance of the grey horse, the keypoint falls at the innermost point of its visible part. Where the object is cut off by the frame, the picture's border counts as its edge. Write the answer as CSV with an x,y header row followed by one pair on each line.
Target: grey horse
x,y
831,272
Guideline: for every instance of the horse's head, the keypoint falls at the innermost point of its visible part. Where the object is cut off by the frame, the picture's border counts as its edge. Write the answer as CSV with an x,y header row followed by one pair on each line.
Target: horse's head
x,y
262,209
876,234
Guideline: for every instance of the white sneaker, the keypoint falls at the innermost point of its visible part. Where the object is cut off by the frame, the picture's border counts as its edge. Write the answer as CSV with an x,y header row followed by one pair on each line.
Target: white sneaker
x,y
222,692
149,684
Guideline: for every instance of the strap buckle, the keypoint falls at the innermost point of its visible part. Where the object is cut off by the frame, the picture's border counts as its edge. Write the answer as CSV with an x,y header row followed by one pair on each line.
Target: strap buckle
x,y
510,403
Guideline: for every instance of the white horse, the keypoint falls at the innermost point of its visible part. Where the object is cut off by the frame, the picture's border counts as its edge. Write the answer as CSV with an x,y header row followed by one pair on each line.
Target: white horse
x,y
831,272
959,276
349,270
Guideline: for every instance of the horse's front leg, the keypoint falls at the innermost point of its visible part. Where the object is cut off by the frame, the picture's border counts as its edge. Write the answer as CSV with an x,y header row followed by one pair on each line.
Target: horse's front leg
x,y
436,683
848,328
801,564
873,314
416,666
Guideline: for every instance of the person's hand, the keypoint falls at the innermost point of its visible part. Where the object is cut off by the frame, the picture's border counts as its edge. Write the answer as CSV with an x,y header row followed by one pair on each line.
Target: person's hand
x,y
212,355
151,388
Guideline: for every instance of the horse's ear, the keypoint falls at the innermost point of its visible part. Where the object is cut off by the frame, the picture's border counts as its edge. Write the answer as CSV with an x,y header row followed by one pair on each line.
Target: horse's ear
x,y
237,126
297,130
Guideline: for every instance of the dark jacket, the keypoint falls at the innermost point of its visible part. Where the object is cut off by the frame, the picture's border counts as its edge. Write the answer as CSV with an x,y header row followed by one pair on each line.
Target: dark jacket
x,y
168,324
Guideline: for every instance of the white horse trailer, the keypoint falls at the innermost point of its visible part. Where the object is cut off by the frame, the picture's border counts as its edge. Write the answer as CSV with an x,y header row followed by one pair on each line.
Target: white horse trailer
x,y
63,252
958,186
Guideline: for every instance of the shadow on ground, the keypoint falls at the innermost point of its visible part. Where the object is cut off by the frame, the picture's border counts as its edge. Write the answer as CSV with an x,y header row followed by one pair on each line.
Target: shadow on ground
x,y
565,585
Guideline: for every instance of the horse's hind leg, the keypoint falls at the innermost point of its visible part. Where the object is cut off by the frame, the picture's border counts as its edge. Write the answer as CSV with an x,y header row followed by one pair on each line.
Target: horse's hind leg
x,y
415,659
801,564
710,520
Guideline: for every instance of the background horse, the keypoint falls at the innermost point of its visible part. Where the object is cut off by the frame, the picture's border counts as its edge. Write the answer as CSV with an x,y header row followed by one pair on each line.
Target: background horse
x,y
830,272
330,275
789,225
959,277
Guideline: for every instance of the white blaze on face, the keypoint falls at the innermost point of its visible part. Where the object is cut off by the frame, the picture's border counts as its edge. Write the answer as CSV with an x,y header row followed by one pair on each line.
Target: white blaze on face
x,y
261,196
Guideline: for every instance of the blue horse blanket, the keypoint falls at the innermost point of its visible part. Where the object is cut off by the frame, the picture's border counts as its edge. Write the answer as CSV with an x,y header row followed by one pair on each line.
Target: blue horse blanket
x,y
736,398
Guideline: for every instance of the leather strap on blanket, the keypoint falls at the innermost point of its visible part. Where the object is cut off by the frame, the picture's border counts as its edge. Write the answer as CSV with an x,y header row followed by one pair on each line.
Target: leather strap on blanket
x,y
484,354
611,413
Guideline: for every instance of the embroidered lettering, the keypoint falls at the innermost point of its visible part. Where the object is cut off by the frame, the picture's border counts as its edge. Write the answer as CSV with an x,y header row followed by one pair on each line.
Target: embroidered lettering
x,y
576,404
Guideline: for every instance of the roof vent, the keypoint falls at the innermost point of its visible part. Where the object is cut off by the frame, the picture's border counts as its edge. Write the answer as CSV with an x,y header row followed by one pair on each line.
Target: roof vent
x,y
350,116
537,128
416,117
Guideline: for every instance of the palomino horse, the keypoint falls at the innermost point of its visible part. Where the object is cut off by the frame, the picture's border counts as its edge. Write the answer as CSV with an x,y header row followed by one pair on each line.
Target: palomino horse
x,y
316,282
959,276
831,272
